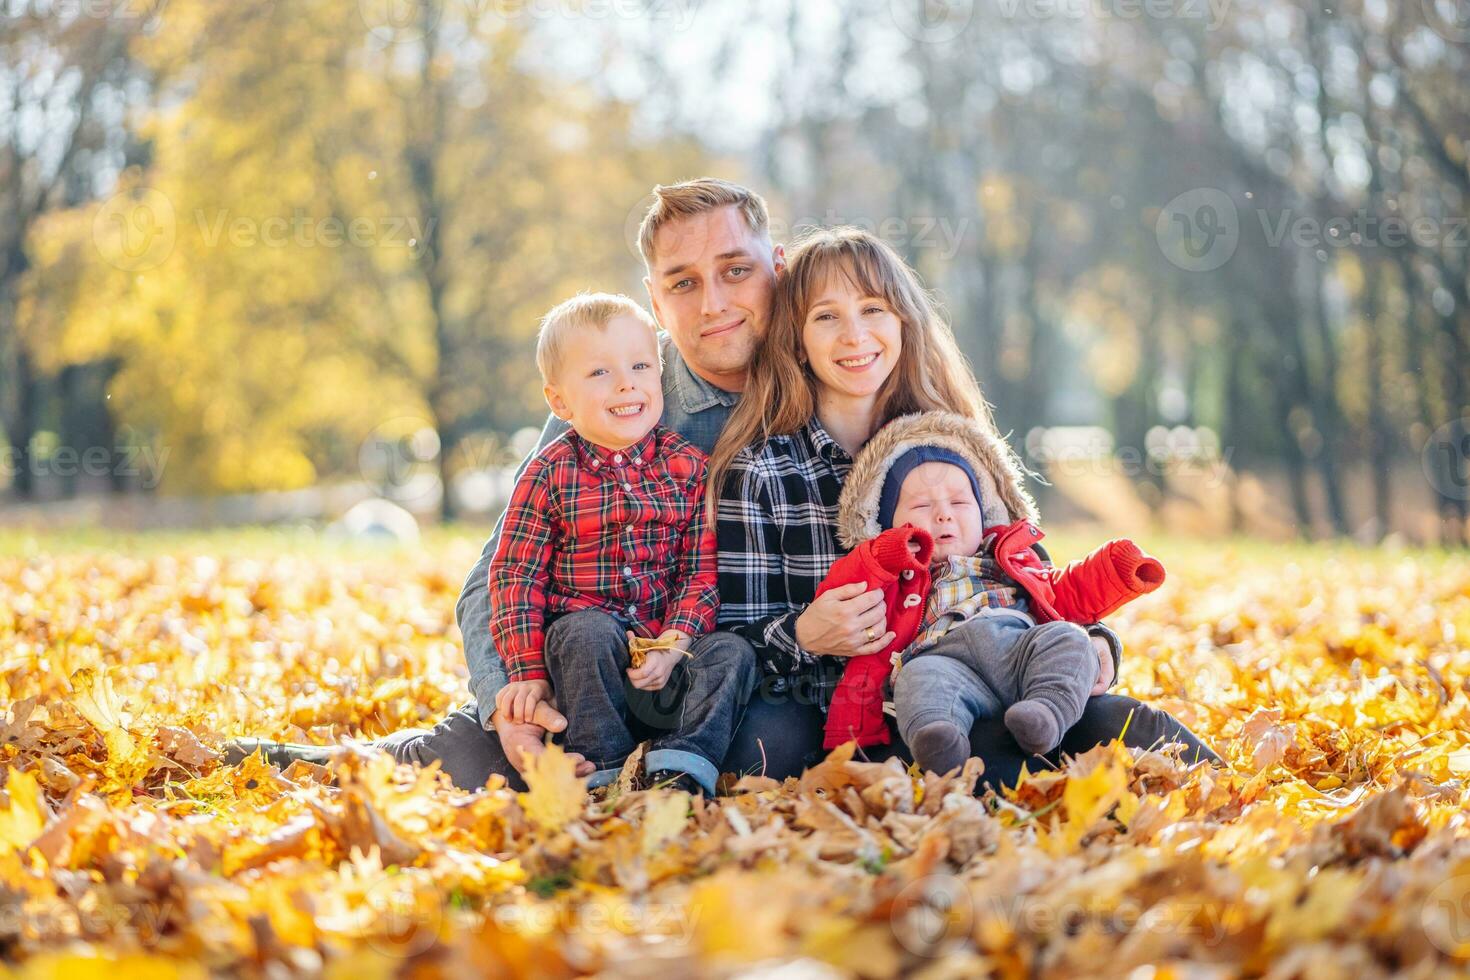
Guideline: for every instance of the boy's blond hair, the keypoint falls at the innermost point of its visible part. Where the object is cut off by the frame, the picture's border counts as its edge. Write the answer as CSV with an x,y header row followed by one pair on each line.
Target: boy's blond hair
x,y
698,196
582,312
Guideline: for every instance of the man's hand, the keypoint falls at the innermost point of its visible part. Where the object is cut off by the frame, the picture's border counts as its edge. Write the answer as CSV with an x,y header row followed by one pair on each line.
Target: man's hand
x,y
524,742
847,621
658,665
1104,664
518,699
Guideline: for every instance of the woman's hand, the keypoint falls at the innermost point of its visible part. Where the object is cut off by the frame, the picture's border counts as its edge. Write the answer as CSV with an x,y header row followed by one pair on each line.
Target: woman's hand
x,y
848,621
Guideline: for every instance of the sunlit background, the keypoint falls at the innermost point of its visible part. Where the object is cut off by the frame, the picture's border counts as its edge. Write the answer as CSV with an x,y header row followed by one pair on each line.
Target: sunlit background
x,y
261,262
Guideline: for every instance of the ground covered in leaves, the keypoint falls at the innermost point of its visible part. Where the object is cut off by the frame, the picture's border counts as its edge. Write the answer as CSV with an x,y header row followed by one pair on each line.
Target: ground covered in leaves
x,y
1335,844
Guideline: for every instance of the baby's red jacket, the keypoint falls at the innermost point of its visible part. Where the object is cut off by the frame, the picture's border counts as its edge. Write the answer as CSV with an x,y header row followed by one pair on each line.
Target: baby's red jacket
x,y
886,563
1084,591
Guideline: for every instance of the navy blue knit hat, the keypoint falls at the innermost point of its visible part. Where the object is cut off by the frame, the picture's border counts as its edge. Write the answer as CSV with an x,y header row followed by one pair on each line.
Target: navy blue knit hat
x,y
906,464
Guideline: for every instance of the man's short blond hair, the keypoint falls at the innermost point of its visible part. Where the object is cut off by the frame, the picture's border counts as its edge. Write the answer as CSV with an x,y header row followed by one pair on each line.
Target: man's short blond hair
x,y
585,311
699,196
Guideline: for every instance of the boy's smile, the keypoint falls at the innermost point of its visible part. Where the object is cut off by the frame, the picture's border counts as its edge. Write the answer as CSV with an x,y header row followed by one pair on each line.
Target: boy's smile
x,y
608,385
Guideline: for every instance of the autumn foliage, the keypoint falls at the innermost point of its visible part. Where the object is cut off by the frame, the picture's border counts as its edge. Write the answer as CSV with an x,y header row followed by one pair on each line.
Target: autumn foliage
x,y
1335,844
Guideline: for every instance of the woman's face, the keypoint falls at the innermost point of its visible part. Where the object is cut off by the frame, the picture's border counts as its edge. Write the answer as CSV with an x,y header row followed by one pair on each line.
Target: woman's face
x,y
852,341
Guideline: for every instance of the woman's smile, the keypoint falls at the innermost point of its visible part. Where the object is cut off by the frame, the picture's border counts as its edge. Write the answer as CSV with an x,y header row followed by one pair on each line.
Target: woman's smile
x,y
860,362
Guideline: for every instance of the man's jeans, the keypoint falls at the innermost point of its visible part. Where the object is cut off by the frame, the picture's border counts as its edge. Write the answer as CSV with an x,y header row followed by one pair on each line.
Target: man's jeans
x,y
690,721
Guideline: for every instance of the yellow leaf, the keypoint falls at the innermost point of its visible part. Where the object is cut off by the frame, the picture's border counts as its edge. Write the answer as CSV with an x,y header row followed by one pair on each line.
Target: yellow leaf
x,y
93,696
556,795
23,822
1089,798
663,818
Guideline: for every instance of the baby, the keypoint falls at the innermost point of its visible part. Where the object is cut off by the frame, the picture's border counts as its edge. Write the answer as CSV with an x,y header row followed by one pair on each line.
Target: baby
x,y
938,518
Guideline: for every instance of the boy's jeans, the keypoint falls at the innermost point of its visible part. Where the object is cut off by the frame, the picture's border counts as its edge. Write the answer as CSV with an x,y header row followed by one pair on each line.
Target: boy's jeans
x,y
988,663
690,721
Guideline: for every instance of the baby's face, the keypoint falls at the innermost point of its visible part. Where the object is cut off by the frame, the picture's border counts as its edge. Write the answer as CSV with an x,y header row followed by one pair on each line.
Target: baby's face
x,y
937,497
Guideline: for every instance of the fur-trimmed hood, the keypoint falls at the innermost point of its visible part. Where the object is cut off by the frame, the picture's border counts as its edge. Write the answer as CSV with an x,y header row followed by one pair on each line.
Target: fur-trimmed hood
x,y
986,452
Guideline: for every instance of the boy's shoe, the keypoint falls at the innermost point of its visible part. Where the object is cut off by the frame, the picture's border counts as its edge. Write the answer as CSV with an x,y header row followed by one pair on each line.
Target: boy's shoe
x,y
673,779
278,754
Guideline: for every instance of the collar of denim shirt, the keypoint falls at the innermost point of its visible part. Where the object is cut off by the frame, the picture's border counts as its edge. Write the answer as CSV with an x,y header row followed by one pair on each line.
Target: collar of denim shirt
x,y
694,393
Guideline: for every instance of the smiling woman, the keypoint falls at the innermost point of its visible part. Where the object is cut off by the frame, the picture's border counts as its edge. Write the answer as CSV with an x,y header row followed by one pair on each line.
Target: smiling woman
x,y
854,343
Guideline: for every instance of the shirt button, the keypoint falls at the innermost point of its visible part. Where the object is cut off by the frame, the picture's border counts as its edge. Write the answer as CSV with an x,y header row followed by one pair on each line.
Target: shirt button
x,y
628,570
617,457
638,460
632,610
628,487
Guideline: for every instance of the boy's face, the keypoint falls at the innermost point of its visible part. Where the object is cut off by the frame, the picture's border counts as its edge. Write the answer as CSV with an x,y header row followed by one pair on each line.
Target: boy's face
x,y
936,497
608,384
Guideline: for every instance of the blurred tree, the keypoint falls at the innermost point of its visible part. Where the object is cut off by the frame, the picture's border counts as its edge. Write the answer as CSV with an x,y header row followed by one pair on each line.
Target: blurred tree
x,y
362,229
66,79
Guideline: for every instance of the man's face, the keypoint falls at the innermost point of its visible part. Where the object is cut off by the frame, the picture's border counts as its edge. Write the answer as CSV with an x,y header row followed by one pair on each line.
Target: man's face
x,y
710,280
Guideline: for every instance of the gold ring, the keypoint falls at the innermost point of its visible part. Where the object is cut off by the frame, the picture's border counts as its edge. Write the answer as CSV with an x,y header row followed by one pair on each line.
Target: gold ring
x,y
871,637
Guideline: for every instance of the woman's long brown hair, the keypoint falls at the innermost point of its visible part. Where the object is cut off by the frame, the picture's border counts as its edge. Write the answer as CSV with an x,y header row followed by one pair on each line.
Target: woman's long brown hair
x,y
781,392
